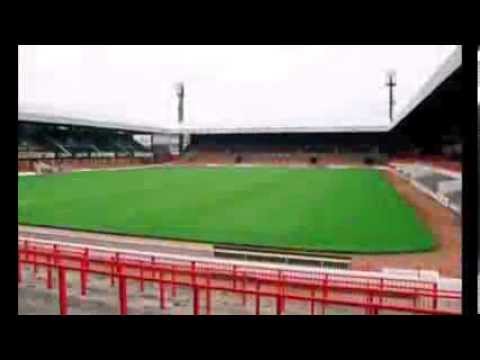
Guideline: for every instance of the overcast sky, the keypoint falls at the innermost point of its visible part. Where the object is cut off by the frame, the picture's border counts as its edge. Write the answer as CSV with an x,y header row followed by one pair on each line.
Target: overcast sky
x,y
226,86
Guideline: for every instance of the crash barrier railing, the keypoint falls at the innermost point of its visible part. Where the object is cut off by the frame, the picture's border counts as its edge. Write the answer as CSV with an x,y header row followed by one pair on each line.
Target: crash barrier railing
x,y
373,295
285,257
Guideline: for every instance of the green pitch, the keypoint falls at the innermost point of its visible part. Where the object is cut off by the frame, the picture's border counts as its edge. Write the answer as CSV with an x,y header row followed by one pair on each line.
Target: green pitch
x,y
334,210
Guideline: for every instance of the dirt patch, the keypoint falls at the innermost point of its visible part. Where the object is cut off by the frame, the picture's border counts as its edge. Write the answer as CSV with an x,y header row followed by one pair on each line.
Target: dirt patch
x,y
445,226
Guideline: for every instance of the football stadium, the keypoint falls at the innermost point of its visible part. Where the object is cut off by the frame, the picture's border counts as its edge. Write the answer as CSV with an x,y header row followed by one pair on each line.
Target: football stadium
x,y
136,219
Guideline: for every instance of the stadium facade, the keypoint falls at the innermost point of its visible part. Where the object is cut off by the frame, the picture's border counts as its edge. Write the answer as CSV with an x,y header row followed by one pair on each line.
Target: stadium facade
x,y
427,126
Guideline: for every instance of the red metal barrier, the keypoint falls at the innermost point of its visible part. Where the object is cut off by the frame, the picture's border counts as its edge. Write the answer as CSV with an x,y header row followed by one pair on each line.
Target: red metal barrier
x,y
371,294
142,282
84,273
162,295
208,295
49,273
122,289
20,275
112,271
62,290
174,281
257,299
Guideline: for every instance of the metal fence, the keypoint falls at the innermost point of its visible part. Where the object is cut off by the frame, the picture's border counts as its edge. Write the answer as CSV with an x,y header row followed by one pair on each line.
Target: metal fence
x,y
205,278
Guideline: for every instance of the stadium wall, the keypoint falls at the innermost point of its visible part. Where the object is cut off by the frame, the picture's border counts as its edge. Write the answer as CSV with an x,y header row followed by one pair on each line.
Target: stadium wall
x,y
27,165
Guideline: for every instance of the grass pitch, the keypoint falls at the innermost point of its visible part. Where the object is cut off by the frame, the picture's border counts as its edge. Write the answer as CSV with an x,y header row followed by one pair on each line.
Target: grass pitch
x,y
332,210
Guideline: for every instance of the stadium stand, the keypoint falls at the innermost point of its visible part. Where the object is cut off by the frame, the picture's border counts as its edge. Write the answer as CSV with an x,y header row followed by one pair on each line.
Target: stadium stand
x,y
432,180
455,197
443,185
294,148
74,146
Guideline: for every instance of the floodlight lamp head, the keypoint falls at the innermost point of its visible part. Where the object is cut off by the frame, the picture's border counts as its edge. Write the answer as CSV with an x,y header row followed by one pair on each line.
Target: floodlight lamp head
x,y
179,89
391,76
